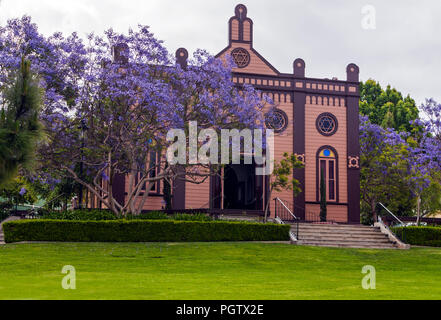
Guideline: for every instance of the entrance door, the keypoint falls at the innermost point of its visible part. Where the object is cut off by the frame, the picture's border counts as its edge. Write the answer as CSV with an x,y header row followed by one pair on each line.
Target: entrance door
x,y
242,188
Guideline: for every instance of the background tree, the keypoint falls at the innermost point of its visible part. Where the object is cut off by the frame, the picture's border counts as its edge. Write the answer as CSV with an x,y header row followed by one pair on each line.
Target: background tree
x,y
381,161
387,108
18,191
20,127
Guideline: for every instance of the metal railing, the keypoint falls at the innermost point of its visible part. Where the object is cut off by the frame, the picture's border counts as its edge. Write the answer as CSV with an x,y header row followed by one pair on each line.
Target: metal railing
x,y
286,215
403,233
390,212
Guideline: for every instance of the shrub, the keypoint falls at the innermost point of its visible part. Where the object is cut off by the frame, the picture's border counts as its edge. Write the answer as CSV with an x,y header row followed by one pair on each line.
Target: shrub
x,y
191,217
420,236
99,214
84,215
153,215
142,231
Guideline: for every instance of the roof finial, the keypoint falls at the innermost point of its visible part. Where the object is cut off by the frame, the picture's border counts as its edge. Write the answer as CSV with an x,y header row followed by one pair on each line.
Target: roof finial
x,y
241,11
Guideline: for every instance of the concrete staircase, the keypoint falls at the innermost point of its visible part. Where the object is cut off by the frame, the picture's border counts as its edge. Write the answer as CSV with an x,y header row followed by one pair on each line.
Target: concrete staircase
x,y
349,236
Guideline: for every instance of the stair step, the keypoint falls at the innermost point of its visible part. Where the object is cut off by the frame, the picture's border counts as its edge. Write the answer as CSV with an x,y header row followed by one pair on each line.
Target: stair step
x,y
312,237
349,245
340,235
336,227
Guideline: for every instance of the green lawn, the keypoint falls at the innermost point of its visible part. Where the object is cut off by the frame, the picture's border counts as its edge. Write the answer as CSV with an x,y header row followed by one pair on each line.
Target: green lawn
x,y
215,271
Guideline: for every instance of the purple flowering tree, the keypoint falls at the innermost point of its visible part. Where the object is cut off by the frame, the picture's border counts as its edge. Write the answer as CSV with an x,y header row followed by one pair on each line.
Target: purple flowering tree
x,y
396,162
381,165
110,102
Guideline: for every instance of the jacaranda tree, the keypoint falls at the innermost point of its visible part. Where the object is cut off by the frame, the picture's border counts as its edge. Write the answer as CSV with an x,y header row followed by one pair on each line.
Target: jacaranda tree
x,y
397,167
111,101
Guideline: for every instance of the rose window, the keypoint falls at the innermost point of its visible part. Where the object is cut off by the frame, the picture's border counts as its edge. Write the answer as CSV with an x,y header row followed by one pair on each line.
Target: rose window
x,y
241,57
327,124
277,120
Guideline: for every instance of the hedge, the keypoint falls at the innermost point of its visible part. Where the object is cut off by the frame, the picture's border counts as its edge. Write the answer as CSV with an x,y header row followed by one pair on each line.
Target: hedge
x,y
420,236
142,231
100,214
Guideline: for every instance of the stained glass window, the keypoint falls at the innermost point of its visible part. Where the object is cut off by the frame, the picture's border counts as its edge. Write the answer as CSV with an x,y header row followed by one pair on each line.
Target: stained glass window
x,y
241,57
327,124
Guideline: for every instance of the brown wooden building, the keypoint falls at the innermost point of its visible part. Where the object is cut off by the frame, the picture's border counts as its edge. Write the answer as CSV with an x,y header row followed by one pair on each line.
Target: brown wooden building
x,y
317,119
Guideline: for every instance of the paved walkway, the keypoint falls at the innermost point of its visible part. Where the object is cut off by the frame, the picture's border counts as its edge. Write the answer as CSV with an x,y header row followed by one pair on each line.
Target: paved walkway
x,y
2,237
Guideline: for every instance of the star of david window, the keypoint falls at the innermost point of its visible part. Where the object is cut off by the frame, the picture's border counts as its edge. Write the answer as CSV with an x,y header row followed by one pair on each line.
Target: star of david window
x,y
327,124
241,57
276,120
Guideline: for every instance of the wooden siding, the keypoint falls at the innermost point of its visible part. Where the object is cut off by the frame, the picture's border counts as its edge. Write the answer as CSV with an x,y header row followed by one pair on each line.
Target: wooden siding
x,y
256,66
314,140
235,29
197,196
335,213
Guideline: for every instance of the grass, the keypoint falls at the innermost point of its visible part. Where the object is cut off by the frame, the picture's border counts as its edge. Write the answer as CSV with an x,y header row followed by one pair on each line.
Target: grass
x,y
215,271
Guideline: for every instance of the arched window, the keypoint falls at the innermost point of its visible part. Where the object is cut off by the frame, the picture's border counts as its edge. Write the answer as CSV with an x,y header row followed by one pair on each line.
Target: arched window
x,y
327,165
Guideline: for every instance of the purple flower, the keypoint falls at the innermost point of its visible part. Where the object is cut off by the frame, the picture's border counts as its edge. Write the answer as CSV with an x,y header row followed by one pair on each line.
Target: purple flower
x,y
22,191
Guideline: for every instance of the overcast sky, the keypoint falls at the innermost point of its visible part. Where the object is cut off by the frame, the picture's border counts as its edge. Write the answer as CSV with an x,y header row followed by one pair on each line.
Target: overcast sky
x,y
404,50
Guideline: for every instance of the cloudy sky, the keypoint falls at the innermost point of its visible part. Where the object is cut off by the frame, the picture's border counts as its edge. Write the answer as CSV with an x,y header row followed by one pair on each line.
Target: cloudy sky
x,y
404,49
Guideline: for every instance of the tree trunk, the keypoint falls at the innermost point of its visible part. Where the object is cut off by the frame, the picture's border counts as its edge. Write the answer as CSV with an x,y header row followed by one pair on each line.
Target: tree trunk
x,y
268,205
418,210
373,210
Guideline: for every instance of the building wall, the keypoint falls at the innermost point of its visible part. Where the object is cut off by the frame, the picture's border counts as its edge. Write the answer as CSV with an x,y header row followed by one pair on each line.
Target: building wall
x,y
303,100
197,196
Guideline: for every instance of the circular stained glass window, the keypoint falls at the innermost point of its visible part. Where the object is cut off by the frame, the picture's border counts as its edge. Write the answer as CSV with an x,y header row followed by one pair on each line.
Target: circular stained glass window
x,y
241,57
327,124
276,120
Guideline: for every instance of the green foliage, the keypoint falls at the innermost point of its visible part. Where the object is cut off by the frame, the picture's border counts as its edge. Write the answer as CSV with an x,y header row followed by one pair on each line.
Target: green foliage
x,y
11,192
100,214
431,198
20,127
323,207
192,217
80,215
142,231
282,176
387,108
420,236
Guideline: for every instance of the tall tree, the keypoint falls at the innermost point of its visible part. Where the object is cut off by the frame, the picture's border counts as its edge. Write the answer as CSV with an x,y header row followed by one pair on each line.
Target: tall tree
x,y
387,107
20,127
130,93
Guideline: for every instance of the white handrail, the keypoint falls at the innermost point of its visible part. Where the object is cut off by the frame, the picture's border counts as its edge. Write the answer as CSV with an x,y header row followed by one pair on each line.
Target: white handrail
x,y
283,204
390,213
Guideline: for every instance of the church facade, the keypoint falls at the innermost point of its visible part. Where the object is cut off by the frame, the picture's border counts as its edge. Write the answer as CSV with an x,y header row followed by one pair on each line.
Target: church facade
x,y
315,119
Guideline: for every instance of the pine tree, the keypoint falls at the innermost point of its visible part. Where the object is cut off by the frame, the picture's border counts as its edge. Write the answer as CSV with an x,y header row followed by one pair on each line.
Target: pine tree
x,y
323,208
20,128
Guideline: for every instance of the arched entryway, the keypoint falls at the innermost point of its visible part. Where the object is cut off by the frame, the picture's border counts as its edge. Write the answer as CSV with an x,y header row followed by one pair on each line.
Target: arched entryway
x,y
242,188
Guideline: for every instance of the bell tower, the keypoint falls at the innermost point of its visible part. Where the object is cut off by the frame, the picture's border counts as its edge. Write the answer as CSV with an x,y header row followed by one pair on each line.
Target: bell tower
x,y
240,26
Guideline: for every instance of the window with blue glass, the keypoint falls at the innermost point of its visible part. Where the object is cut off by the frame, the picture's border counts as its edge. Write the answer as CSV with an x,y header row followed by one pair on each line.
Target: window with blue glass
x,y
327,166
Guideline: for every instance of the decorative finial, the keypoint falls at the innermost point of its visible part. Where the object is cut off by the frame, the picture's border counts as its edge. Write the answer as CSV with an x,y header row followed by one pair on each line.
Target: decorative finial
x,y
241,11
352,72
181,57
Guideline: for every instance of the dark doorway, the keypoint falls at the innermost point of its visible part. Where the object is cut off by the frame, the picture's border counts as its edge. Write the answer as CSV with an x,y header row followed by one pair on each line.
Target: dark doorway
x,y
242,189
